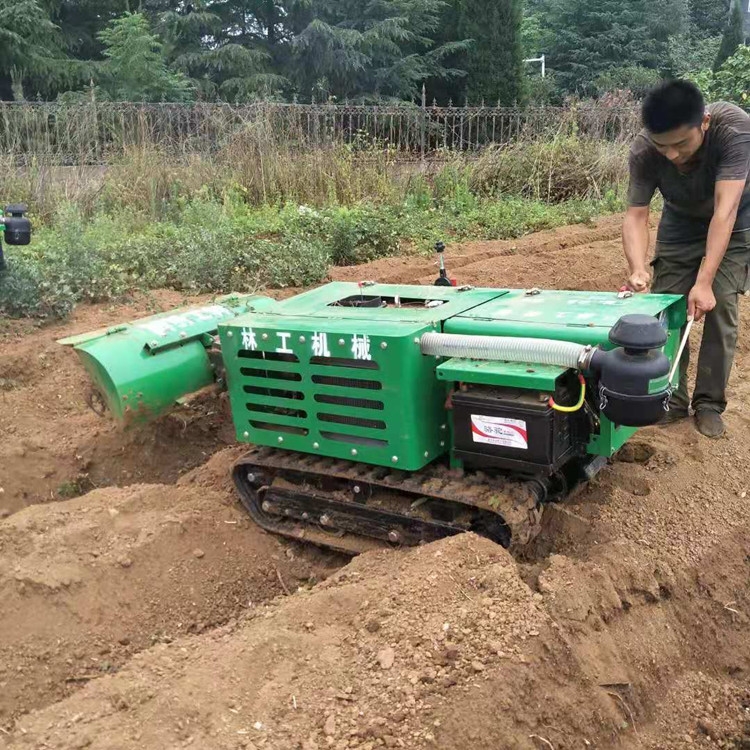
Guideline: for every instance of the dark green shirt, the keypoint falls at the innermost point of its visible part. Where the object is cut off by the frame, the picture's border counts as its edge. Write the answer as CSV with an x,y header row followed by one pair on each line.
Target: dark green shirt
x,y
689,195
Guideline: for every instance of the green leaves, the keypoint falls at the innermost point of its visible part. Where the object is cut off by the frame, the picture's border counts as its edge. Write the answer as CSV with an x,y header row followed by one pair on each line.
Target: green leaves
x,y
135,68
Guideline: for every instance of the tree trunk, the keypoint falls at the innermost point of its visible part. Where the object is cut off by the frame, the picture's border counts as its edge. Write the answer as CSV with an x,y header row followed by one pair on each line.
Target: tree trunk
x,y
6,87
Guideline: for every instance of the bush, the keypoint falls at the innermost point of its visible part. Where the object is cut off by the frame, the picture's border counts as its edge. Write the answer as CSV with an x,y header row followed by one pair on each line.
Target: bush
x,y
568,168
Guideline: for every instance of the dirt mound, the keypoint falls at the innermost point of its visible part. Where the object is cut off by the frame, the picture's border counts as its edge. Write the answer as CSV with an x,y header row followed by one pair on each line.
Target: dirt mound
x,y
87,583
431,648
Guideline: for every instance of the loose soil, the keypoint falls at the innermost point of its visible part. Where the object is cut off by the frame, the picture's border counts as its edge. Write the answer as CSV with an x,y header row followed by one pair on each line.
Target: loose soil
x,y
147,611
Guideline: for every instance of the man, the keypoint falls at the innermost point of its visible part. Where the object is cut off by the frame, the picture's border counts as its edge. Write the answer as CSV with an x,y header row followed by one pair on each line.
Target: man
x,y
699,159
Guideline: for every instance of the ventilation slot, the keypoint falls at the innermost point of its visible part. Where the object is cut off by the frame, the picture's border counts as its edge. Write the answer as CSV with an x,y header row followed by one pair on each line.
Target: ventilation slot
x,y
356,439
356,364
280,410
358,403
271,374
274,392
279,428
373,424
372,385
268,356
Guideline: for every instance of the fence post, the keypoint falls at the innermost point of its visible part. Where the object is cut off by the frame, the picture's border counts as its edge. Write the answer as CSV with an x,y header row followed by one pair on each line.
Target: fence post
x,y
424,119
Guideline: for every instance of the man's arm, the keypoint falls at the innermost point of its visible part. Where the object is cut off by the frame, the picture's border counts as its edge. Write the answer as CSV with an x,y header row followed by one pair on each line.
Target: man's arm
x,y
727,198
635,236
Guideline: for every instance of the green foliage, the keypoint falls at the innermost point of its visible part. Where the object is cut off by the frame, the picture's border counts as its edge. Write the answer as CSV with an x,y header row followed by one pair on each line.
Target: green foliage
x,y
585,40
567,168
634,78
135,68
208,239
30,47
732,81
532,33
494,60
690,53
734,35
709,17
380,48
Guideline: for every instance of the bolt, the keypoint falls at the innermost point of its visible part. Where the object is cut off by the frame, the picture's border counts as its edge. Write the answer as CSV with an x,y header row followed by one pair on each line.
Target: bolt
x,y
229,334
394,459
443,426
416,339
341,342
154,343
302,339
354,451
394,536
250,477
281,439
246,434
325,519
356,489
305,516
427,454
265,337
266,506
442,443
383,345
316,446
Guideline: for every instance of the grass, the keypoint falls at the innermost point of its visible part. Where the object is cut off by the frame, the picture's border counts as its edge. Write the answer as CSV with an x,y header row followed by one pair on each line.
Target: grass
x,y
245,220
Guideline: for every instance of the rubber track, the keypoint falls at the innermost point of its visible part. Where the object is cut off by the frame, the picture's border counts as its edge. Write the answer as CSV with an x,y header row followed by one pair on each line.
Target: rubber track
x,y
514,501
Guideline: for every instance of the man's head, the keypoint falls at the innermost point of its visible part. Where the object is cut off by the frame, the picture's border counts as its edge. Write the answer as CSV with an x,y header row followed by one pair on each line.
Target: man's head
x,y
674,114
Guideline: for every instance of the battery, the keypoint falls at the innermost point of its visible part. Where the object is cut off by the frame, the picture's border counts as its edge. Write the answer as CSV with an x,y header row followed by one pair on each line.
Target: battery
x,y
516,429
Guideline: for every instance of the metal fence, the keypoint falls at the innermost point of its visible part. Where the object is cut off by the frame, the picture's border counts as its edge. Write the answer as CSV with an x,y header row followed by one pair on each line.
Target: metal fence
x,y
100,133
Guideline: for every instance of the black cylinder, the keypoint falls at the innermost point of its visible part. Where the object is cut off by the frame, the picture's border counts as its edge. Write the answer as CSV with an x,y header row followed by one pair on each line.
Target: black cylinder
x,y
634,383
17,226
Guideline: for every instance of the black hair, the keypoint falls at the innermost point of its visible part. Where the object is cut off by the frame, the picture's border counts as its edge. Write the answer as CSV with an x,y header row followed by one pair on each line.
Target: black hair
x,y
672,104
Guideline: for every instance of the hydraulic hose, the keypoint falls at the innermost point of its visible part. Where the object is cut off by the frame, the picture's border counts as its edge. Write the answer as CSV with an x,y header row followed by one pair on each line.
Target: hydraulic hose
x,y
506,348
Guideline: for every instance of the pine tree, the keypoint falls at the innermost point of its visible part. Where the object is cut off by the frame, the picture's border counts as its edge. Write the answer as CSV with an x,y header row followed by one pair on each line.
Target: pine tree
x,y
30,45
375,48
586,39
494,60
734,35
709,17
135,68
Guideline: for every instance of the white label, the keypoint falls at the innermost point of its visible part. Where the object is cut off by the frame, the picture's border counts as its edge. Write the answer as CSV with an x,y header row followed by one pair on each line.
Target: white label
x,y
499,431
170,323
248,339
361,347
320,345
284,348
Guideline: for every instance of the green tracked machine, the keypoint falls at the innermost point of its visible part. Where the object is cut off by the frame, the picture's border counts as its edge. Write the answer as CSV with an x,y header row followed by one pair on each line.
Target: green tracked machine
x,y
381,414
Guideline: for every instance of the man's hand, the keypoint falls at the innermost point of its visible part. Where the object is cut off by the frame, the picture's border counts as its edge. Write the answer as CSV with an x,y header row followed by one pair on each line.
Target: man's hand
x,y
700,300
639,280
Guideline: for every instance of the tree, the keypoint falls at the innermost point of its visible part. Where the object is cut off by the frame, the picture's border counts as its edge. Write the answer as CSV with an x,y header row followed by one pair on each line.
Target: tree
x,y
135,68
734,35
586,39
196,44
690,53
375,48
29,45
709,17
494,61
